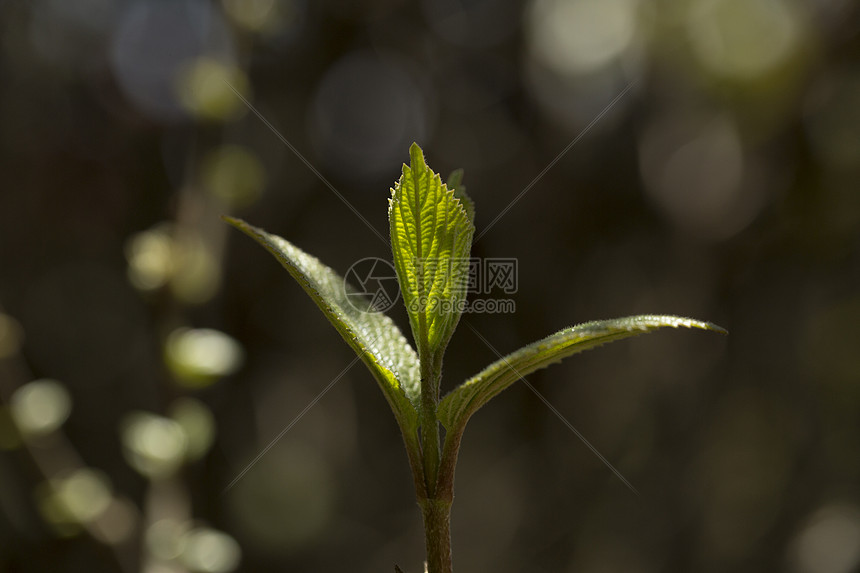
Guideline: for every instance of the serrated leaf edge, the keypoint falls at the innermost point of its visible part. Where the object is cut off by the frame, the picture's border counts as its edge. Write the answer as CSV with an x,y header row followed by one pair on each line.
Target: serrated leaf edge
x,y
385,376
569,341
448,197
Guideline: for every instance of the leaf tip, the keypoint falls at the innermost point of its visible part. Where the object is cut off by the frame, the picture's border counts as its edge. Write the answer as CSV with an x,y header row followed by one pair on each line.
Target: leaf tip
x,y
701,324
716,328
416,156
455,180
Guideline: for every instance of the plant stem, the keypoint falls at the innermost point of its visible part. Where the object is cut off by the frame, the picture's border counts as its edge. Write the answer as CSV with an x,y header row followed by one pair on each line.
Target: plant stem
x,y
437,534
431,372
437,508
436,503
416,464
448,463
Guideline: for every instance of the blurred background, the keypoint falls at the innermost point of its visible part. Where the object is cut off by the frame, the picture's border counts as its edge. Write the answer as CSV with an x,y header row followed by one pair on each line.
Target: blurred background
x,y
149,353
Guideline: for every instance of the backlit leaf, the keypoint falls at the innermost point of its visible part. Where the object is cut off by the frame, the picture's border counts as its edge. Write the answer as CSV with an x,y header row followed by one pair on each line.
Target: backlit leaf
x,y
456,408
373,336
431,234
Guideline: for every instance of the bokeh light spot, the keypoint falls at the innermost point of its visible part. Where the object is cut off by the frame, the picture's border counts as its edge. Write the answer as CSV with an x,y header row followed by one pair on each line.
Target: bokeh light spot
x,y
742,39
156,258
150,259
206,550
40,407
693,169
206,87
234,175
252,15
196,275
366,111
165,539
156,41
199,356
78,497
86,493
154,445
580,36
829,542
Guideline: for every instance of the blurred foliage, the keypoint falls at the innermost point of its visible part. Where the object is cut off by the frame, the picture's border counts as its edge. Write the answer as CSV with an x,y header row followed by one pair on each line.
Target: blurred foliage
x,y
146,358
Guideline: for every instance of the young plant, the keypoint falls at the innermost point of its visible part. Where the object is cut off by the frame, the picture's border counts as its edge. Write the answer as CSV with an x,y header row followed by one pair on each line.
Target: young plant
x,y
431,234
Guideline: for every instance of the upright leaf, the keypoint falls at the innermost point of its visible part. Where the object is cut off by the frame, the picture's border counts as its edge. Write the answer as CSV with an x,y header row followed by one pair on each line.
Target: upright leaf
x,y
431,234
456,408
455,184
373,336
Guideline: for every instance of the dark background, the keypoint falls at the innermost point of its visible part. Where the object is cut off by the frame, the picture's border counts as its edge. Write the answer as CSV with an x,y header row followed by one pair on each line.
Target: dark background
x,y
722,185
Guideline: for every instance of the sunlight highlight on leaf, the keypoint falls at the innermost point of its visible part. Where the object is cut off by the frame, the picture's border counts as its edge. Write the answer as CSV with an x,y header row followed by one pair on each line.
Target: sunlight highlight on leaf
x,y
456,408
431,235
373,336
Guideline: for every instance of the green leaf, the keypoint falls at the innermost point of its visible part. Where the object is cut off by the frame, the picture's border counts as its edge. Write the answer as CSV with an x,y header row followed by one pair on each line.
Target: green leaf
x,y
455,183
431,234
456,408
373,336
